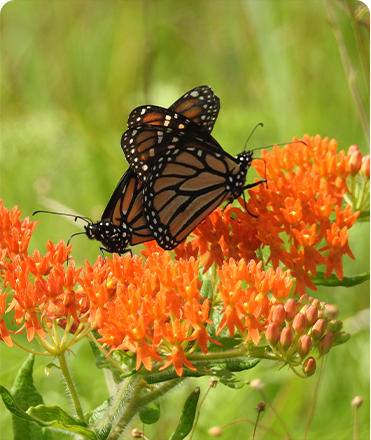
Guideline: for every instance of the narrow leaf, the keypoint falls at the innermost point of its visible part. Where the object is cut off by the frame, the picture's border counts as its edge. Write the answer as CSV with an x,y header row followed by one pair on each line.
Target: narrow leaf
x,y
188,416
24,395
333,280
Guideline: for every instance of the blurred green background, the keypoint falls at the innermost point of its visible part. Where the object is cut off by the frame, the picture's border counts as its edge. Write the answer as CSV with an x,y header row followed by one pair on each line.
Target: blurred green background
x,y
71,72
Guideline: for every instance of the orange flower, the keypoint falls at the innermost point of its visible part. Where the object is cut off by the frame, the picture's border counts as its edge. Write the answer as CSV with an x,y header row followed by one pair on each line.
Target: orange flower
x,y
153,307
14,234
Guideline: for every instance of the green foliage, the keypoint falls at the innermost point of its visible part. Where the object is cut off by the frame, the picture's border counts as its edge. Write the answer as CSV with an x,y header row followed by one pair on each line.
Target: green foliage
x,y
188,416
150,414
333,280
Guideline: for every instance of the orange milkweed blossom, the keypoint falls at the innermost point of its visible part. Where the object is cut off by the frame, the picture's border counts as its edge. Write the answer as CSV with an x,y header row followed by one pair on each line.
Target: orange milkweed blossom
x,y
170,309
297,219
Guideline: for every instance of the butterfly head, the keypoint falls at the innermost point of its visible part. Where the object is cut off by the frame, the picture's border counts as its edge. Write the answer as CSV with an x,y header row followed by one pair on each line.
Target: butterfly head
x,y
114,238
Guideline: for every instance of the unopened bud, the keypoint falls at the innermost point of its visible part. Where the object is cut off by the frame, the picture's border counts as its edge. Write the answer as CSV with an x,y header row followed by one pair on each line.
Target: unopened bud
x,y
257,384
260,407
357,402
341,337
365,168
290,308
304,299
304,346
272,334
213,382
316,302
215,431
312,315
334,326
309,366
352,149
325,344
279,315
286,338
355,161
299,324
318,329
330,311
135,433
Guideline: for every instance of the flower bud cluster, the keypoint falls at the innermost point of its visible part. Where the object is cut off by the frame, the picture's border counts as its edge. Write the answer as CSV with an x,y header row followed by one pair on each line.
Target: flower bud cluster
x,y
302,328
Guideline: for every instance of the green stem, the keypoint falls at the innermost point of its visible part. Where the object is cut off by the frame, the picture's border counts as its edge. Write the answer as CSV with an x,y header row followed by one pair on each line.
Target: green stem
x,y
350,70
71,386
130,394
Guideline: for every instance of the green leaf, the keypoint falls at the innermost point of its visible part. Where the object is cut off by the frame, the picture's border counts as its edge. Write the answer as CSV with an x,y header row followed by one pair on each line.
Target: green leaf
x,y
150,414
51,413
188,416
43,416
23,395
207,290
333,280
54,417
364,216
98,414
204,368
227,378
102,362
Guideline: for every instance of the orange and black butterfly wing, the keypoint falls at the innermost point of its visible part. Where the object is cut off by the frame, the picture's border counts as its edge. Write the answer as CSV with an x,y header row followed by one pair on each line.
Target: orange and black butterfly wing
x,y
122,222
185,188
144,145
195,110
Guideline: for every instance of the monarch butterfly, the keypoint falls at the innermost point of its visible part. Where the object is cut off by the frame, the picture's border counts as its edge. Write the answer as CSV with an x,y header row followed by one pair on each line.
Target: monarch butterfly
x,y
185,173
122,222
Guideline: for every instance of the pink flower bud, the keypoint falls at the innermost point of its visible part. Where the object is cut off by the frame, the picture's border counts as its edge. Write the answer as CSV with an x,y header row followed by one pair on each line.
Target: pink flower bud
x,y
309,366
318,330
286,338
299,324
304,299
365,168
279,315
355,161
352,149
304,346
325,344
330,311
272,334
312,315
304,309
290,308
316,303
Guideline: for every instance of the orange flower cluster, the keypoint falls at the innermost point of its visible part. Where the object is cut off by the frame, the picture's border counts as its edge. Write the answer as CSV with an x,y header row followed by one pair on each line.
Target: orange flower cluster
x,y
153,306
14,234
297,216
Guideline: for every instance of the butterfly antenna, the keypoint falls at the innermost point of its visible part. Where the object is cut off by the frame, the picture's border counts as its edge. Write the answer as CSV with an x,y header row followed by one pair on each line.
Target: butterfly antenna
x,y
256,126
76,217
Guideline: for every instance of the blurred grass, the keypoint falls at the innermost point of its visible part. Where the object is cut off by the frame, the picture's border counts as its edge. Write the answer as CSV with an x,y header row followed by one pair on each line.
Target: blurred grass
x,y
71,72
